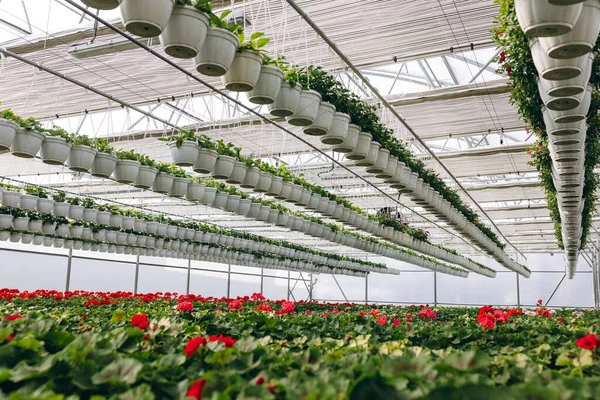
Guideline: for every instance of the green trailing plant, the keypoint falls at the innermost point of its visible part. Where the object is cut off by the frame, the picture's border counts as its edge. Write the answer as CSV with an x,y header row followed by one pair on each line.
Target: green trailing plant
x,y
29,124
221,21
82,140
180,137
255,42
103,146
36,191
59,196
201,5
88,203
127,155
74,201
57,131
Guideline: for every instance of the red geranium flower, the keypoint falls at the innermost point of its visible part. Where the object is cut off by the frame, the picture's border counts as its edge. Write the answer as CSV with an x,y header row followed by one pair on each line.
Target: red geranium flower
x,y
259,381
257,296
589,342
382,320
195,390
374,312
539,302
409,318
10,337
140,320
264,308
396,322
325,315
308,312
185,306
427,313
287,307
193,345
487,321
13,317
226,340
362,313
235,305
502,56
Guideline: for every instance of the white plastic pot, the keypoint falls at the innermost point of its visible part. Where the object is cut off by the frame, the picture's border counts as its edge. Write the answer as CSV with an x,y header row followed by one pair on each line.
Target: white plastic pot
x,y
101,4
350,141
581,39
287,100
322,123
223,167
185,32
55,150
126,171
145,177
195,191
8,131
338,131
268,86
45,206
542,19
209,195
295,194
307,110
232,204
146,18
75,212
244,72
28,202
554,69
264,182
21,223
363,145
569,87
81,158
206,161
275,187
27,143
372,156
554,129
251,179
186,154
217,52
244,206
286,189
576,114
390,169
103,217
163,182
238,174
179,187
563,103
61,209
90,215
104,165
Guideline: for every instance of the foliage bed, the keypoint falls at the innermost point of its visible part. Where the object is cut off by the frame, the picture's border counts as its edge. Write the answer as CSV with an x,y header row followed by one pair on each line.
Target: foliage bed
x,y
56,345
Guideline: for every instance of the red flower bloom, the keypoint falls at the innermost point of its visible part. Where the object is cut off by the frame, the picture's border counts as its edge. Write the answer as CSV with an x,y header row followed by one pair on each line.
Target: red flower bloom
x,y
185,306
486,310
259,381
235,305
500,316
589,342
288,307
382,320
308,312
539,302
325,315
13,317
409,318
195,390
374,312
147,336
226,340
140,320
257,296
362,313
502,56
487,321
508,70
427,313
10,337
264,308
396,322
544,312
193,345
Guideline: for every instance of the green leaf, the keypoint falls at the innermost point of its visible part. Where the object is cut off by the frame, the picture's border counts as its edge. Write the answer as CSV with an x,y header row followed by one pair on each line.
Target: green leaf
x,y
262,42
123,370
171,360
256,35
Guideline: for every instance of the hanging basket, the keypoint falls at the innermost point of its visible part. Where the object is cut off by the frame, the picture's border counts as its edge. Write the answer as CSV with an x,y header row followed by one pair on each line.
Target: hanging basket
x,y
372,155
27,143
145,177
28,202
554,69
569,87
361,150
275,187
101,4
61,209
338,131
104,165
307,110
163,182
220,200
179,187
206,161
8,131
223,167
350,141
576,114
55,150
146,18
263,183
126,171
286,189
185,32
322,123
267,88
216,54
563,103
287,100
542,19
81,158
186,154
209,195
195,191
251,179
238,174
244,72
45,206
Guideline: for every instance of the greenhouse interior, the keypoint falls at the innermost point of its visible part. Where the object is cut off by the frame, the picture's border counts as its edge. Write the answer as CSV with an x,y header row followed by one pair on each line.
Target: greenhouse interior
x,y
277,199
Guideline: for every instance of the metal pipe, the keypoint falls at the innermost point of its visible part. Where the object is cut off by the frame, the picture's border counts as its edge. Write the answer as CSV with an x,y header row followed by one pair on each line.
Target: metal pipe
x,y
69,261
137,275
367,289
228,280
339,287
189,275
383,100
435,288
262,280
518,291
555,289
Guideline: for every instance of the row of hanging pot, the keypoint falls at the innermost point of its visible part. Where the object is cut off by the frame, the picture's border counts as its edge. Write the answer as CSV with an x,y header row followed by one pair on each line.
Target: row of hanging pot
x,y
223,167
562,35
55,150
101,224
13,199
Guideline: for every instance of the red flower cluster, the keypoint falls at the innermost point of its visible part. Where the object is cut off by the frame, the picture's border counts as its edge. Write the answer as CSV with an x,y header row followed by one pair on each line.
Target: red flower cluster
x,y
264,308
235,305
257,297
382,320
186,306
427,313
488,316
287,307
589,341
396,322
486,320
140,320
226,340
544,312
308,312
195,391
192,345
409,318
259,381
13,317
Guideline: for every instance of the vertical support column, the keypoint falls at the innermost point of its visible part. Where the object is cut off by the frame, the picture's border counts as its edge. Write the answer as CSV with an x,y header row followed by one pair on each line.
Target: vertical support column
x,y
228,280
595,280
288,290
69,260
310,288
137,275
435,288
262,280
189,275
518,291
367,289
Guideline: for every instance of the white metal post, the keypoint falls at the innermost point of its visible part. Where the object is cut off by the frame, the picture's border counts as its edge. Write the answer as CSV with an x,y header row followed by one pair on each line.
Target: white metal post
x,y
189,275
69,260
137,275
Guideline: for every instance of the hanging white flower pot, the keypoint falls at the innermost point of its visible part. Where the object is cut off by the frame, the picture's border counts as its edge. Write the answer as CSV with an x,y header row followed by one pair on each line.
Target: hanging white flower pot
x,y
253,210
90,215
307,110
263,213
287,100
350,141
390,168
244,72
75,211
4,235
576,114
76,231
59,242
81,158
21,223
251,179
146,18
554,129
282,219
100,235
244,206
48,241
541,19
145,177
179,187
372,156
581,39
295,194
185,32
322,122
27,143
104,165
101,4
304,198
103,217
184,155
313,203
223,167
275,187
381,163
163,182
8,131
264,182
569,87
554,69
268,86
55,150
11,199
62,230
238,174
26,238
209,196
5,221
28,202
195,191
61,209
126,171
563,103
206,161
217,52
232,204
